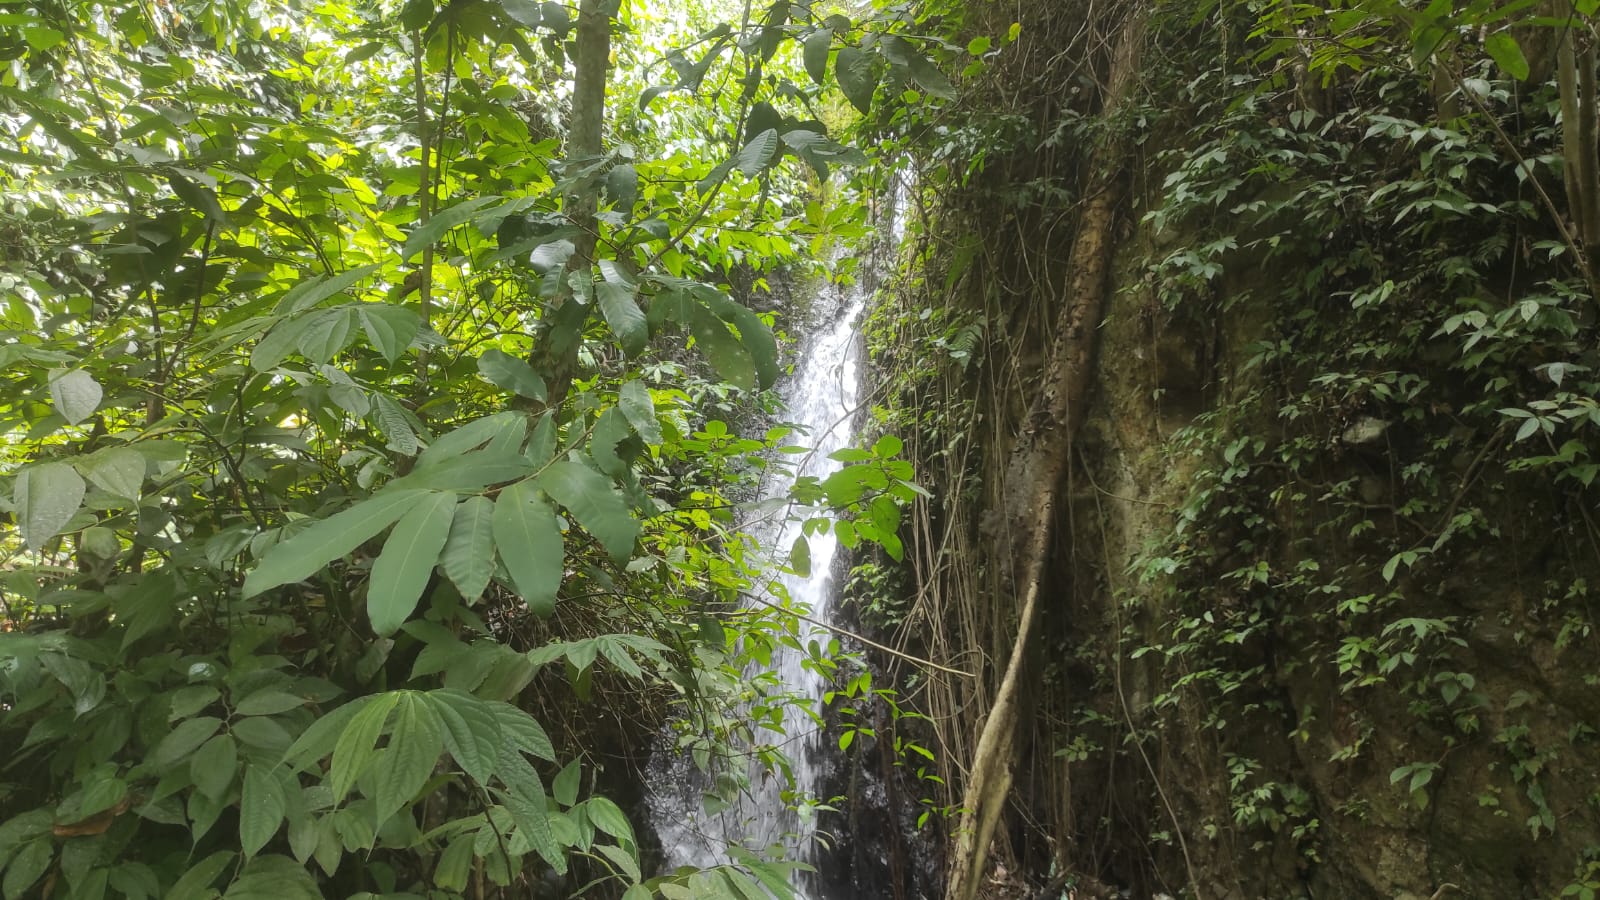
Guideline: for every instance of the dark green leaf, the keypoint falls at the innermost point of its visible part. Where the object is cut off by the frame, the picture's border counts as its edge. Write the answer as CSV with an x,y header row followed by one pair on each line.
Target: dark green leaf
x,y
509,373
261,809
817,47
857,72
415,742
441,222
1507,54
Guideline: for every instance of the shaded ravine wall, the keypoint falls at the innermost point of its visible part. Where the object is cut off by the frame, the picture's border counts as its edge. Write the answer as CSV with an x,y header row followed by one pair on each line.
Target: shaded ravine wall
x,y
1239,681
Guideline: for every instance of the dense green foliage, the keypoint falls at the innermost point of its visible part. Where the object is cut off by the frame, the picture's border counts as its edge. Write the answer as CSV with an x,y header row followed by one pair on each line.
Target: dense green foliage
x,y
358,437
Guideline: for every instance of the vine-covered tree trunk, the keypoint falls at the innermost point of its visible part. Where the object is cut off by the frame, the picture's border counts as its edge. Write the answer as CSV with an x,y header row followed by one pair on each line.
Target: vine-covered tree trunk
x,y
1033,480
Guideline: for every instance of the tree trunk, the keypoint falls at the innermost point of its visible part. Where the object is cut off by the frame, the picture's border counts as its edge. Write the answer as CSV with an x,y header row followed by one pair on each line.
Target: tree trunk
x,y
1032,488
555,353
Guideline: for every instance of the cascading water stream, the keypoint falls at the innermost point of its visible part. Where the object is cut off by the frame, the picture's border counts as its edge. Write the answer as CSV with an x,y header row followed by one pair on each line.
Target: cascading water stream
x,y
822,397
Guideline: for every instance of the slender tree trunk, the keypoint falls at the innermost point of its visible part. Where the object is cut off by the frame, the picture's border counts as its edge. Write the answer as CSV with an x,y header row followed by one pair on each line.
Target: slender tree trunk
x,y
555,354
1032,488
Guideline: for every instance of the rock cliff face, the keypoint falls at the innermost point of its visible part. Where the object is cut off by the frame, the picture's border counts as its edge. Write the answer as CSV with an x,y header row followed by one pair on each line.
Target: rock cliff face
x,y
1319,615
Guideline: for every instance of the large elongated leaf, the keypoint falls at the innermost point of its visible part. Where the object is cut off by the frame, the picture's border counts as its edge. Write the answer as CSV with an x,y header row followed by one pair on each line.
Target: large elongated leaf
x,y
529,542
636,403
595,503
817,47
758,153
441,222
727,355
506,371
357,744
415,742
303,555
619,303
401,572
471,436
261,809
857,72
326,334
47,496
469,552
471,732
753,333
314,290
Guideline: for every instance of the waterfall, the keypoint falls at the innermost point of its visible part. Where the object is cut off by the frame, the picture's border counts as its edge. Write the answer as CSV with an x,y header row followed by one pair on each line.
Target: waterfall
x,y
822,397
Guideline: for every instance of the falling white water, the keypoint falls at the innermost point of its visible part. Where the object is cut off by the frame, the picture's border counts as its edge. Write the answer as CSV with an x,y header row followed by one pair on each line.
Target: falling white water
x,y
822,397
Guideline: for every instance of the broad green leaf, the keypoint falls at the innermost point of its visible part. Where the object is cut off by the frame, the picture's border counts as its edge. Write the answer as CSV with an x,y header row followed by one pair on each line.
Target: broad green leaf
x,y
857,72
118,471
316,289
267,702
918,68
415,741
531,813
326,334
637,405
509,373
306,553
466,472
753,334
390,329
528,540
183,740
468,556
565,786
319,740
471,732
273,878
401,571
523,731
201,199
1507,54
357,744
395,423
26,867
454,867
213,766
756,155
471,436
595,503
800,557
441,222
817,47
75,393
277,343
47,496
196,884
261,809
726,353
607,817
619,304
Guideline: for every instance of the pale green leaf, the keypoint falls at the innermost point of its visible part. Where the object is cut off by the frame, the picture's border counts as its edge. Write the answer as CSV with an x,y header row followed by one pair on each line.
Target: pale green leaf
x,y
75,393
196,884
608,817
620,305
471,436
756,155
326,334
277,343
528,540
47,496
306,553
118,471
401,571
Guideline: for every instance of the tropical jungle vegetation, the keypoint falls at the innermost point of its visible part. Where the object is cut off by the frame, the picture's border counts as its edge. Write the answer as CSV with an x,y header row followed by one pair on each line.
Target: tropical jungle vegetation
x,y
389,388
